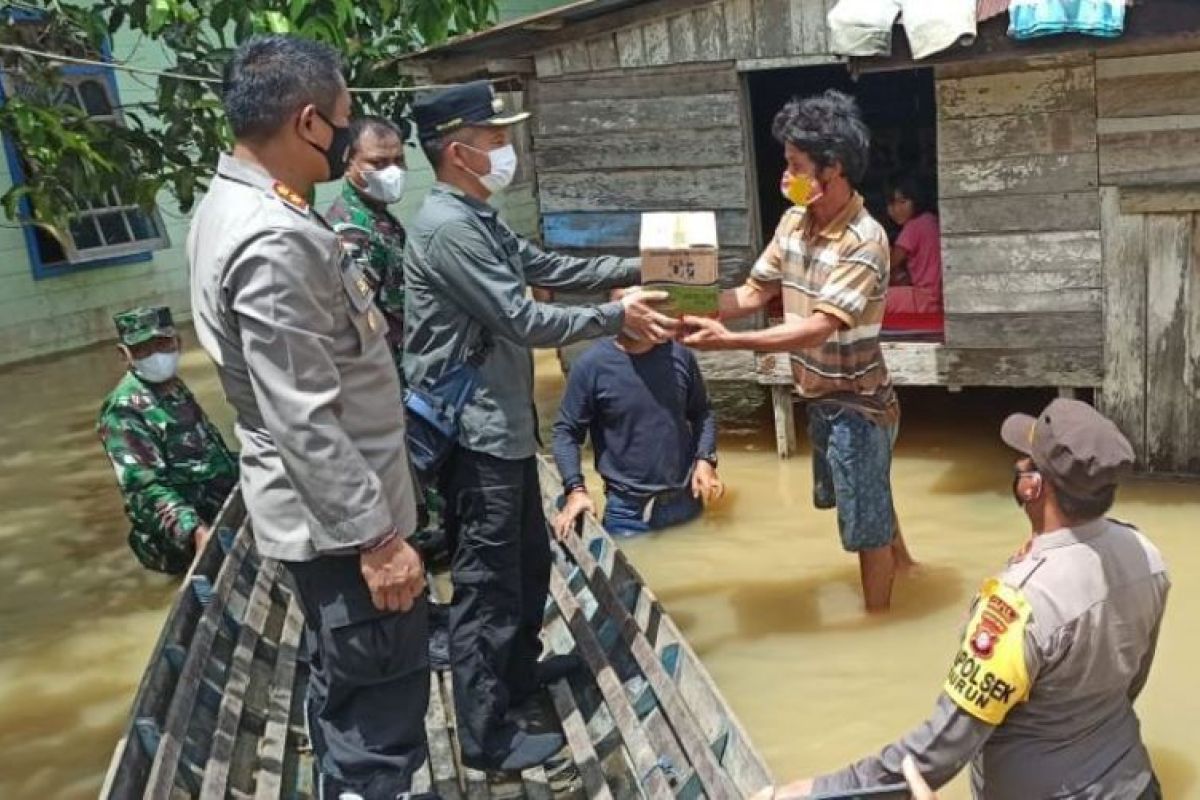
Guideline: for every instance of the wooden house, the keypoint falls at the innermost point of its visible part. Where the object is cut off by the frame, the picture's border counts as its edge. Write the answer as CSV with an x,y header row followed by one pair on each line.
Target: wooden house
x,y
1068,175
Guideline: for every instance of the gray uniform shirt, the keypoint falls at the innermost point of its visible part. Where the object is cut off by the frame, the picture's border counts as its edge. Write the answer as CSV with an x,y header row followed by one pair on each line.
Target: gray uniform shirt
x,y
1095,596
465,271
301,353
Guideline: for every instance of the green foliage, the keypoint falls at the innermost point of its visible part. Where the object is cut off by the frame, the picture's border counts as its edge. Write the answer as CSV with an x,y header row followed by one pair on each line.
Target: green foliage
x,y
172,143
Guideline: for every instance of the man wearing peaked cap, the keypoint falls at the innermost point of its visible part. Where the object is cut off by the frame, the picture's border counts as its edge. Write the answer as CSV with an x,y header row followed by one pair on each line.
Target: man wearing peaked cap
x,y
1039,697
467,276
301,348
172,465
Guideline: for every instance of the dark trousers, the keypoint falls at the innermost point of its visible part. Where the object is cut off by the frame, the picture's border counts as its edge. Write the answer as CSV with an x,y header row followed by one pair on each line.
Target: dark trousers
x,y
368,685
501,572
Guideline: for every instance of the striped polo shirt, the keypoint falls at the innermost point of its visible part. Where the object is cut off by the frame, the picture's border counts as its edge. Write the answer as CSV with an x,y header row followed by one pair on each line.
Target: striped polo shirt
x,y
841,270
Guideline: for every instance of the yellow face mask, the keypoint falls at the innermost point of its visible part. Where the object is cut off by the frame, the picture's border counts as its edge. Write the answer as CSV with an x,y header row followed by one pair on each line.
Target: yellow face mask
x,y
800,190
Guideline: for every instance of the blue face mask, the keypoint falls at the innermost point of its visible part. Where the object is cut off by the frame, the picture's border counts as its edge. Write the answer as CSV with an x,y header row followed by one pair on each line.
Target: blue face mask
x,y
157,367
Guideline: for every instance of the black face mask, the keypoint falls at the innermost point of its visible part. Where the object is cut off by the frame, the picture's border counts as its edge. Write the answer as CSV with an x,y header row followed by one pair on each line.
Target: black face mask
x,y
338,152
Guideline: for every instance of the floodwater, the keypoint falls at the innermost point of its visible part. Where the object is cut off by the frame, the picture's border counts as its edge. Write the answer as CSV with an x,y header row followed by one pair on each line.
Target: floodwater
x,y
759,584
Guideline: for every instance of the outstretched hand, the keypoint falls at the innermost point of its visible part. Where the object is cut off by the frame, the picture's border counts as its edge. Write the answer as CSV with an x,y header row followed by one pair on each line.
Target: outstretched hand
x,y
705,333
643,320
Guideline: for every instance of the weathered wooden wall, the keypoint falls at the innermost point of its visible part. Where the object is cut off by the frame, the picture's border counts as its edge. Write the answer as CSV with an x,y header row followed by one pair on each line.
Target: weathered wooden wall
x,y
1020,216
1149,147
728,30
609,147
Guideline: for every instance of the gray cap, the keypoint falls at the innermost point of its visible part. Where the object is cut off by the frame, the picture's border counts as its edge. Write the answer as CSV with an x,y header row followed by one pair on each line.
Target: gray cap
x,y
1073,444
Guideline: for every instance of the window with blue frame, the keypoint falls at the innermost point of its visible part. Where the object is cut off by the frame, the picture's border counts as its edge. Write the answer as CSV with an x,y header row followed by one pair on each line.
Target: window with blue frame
x,y
107,230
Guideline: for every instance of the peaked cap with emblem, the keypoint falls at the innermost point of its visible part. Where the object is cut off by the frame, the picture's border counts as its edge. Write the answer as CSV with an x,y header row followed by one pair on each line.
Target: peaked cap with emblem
x,y
1073,444
141,324
475,103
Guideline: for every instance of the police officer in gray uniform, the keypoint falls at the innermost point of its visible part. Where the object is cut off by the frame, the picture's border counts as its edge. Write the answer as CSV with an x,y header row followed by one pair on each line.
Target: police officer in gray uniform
x,y
466,276
302,355
1039,698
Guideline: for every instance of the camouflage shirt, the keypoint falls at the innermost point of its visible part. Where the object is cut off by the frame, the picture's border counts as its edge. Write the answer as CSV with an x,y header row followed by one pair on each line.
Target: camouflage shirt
x,y
172,465
375,239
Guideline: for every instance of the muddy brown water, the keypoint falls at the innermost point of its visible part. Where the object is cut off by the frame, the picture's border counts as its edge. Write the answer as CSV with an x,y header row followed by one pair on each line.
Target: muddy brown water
x,y
759,584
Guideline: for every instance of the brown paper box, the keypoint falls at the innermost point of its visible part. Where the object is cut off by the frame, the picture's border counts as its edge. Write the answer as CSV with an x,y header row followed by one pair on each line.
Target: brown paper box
x,y
679,255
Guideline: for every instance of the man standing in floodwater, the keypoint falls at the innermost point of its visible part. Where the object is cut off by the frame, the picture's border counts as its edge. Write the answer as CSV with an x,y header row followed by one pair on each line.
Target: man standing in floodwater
x,y
829,261
653,431
301,349
1039,697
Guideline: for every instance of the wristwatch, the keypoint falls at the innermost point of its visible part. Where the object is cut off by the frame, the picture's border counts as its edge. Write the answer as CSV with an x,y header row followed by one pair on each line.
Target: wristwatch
x,y
710,458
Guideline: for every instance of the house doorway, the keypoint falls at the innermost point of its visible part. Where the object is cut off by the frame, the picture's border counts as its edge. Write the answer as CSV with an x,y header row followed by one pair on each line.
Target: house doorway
x,y
898,107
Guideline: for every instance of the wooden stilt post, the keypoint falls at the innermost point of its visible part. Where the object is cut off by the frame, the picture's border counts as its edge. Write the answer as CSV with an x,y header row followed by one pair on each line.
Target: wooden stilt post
x,y
785,420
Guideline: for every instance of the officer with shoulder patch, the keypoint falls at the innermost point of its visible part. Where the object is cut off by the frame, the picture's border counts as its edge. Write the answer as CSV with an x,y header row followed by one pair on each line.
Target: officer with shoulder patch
x,y
375,177
1039,698
172,465
300,347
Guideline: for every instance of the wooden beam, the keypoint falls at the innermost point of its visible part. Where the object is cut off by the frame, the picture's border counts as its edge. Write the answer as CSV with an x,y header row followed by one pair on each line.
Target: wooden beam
x,y
1161,199
784,411
258,607
1038,133
1172,343
696,749
161,780
587,761
511,66
787,62
654,782
272,752
1123,395
1074,211
131,763
466,55
717,147
671,113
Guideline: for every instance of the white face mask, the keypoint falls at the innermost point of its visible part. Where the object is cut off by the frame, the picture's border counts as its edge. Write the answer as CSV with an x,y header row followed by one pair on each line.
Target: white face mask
x,y
157,367
504,167
385,185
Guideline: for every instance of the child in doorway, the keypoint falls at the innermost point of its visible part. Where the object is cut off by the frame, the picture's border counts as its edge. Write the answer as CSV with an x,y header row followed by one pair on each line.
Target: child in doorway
x,y
914,298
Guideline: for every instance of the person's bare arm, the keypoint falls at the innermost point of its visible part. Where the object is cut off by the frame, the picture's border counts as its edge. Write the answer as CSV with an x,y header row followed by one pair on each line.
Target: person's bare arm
x,y
747,298
795,333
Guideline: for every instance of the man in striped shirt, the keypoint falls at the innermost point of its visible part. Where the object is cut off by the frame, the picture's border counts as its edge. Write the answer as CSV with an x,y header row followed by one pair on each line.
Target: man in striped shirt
x,y
829,261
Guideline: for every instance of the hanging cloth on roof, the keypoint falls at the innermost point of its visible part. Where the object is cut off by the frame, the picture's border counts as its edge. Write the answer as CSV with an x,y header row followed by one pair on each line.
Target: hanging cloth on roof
x,y
1029,19
864,27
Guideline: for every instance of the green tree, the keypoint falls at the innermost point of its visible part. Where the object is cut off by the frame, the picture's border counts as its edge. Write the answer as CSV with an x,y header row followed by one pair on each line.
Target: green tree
x,y
172,143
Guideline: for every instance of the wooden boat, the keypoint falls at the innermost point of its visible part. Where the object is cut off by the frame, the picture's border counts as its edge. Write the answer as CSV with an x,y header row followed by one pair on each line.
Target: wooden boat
x,y
218,711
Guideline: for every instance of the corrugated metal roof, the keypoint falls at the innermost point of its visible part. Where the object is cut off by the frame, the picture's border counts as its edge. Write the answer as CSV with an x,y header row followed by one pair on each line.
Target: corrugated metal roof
x,y
520,36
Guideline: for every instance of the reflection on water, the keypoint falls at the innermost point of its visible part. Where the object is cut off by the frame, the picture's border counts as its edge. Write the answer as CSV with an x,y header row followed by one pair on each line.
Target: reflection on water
x,y
759,584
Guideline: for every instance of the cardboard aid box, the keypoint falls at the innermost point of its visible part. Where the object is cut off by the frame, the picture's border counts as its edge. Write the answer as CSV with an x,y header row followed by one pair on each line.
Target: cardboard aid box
x,y
679,256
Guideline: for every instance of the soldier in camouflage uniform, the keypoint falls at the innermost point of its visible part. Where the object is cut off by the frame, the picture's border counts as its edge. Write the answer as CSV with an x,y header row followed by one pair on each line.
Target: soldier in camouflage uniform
x,y
375,174
374,238
172,465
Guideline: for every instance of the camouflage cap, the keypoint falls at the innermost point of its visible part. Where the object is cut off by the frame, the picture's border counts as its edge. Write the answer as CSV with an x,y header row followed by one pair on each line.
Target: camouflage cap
x,y
138,325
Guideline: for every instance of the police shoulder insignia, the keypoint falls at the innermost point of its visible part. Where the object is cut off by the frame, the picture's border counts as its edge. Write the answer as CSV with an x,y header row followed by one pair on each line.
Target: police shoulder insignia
x,y
290,197
989,677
